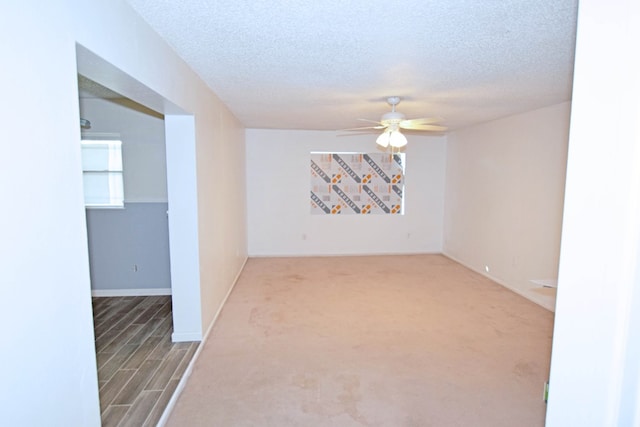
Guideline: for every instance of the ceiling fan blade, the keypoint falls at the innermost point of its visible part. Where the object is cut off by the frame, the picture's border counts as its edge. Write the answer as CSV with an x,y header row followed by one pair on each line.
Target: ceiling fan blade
x,y
434,128
363,128
371,121
420,121
362,132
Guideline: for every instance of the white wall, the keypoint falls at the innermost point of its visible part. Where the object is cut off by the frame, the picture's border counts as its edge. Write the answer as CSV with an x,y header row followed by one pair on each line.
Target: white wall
x,y
278,180
504,196
183,228
221,181
48,370
48,359
595,360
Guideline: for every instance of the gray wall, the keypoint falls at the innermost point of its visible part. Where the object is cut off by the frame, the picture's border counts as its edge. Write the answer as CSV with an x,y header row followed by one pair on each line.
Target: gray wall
x,y
129,247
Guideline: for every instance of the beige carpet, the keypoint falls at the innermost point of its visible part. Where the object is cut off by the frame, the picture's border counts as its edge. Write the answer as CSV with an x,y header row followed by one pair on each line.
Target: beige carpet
x,y
370,341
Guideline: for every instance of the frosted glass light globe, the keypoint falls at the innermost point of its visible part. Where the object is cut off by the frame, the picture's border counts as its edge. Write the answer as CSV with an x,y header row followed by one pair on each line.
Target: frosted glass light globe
x,y
397,140
383,139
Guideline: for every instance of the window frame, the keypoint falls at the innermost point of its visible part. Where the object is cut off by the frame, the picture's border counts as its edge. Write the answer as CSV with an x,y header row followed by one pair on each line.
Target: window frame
x,y
97,139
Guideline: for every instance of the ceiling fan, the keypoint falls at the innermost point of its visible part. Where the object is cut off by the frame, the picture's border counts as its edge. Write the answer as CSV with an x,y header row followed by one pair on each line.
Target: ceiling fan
x,y
394,120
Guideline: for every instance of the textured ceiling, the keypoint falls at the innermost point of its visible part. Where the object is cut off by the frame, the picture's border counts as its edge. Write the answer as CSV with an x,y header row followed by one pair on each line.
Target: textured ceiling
x,y
322,65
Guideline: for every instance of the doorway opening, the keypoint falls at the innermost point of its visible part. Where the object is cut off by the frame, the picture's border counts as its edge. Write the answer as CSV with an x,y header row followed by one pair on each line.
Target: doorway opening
x,y
145,300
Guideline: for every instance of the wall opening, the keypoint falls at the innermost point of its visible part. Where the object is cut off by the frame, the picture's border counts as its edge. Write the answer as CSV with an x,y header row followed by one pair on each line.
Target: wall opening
x,y
180,186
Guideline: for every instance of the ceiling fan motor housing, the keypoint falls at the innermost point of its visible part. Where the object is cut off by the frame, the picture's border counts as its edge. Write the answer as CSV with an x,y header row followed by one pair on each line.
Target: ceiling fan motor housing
x,y
392,117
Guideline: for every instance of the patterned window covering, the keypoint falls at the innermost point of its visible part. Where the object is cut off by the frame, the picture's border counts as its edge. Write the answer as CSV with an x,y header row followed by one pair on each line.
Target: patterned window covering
x,y
357,183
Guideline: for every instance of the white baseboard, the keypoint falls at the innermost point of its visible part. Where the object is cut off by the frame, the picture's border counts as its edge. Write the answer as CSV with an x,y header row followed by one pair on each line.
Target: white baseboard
x,y
517,290
546,283
130,292
186,336
187,373
325,255
224,301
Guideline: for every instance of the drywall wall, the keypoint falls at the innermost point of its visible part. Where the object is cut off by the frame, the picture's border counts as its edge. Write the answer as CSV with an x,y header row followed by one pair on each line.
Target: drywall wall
x,y
143,148
206,150
278,185
595,363
46,302
129,248
504,197
45,307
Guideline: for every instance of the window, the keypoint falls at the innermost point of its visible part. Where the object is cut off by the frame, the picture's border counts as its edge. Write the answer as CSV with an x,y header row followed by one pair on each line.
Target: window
x,y
357,183
102,173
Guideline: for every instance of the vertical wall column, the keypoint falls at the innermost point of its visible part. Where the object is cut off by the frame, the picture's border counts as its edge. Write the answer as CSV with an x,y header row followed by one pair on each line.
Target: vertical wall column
x,y
183,227
595,369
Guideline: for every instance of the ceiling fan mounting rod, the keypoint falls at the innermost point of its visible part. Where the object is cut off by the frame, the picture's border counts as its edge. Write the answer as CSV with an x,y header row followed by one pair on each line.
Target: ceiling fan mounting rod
x,y
393,116
393,101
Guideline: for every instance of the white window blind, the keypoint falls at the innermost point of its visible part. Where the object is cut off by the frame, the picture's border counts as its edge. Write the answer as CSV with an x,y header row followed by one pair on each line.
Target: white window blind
x,y
102,173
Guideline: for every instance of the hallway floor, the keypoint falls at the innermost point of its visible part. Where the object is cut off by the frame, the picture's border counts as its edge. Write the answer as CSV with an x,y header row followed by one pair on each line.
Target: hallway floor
x,y
138,365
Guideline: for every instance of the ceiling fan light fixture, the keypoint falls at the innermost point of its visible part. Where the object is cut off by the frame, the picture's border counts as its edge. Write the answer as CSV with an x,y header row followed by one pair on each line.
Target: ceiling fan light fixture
x,y
397,140
393,121
392,138
383,139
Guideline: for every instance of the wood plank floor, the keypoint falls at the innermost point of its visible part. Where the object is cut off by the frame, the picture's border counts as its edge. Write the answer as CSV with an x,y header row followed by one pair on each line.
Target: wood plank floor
x,y
138,365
